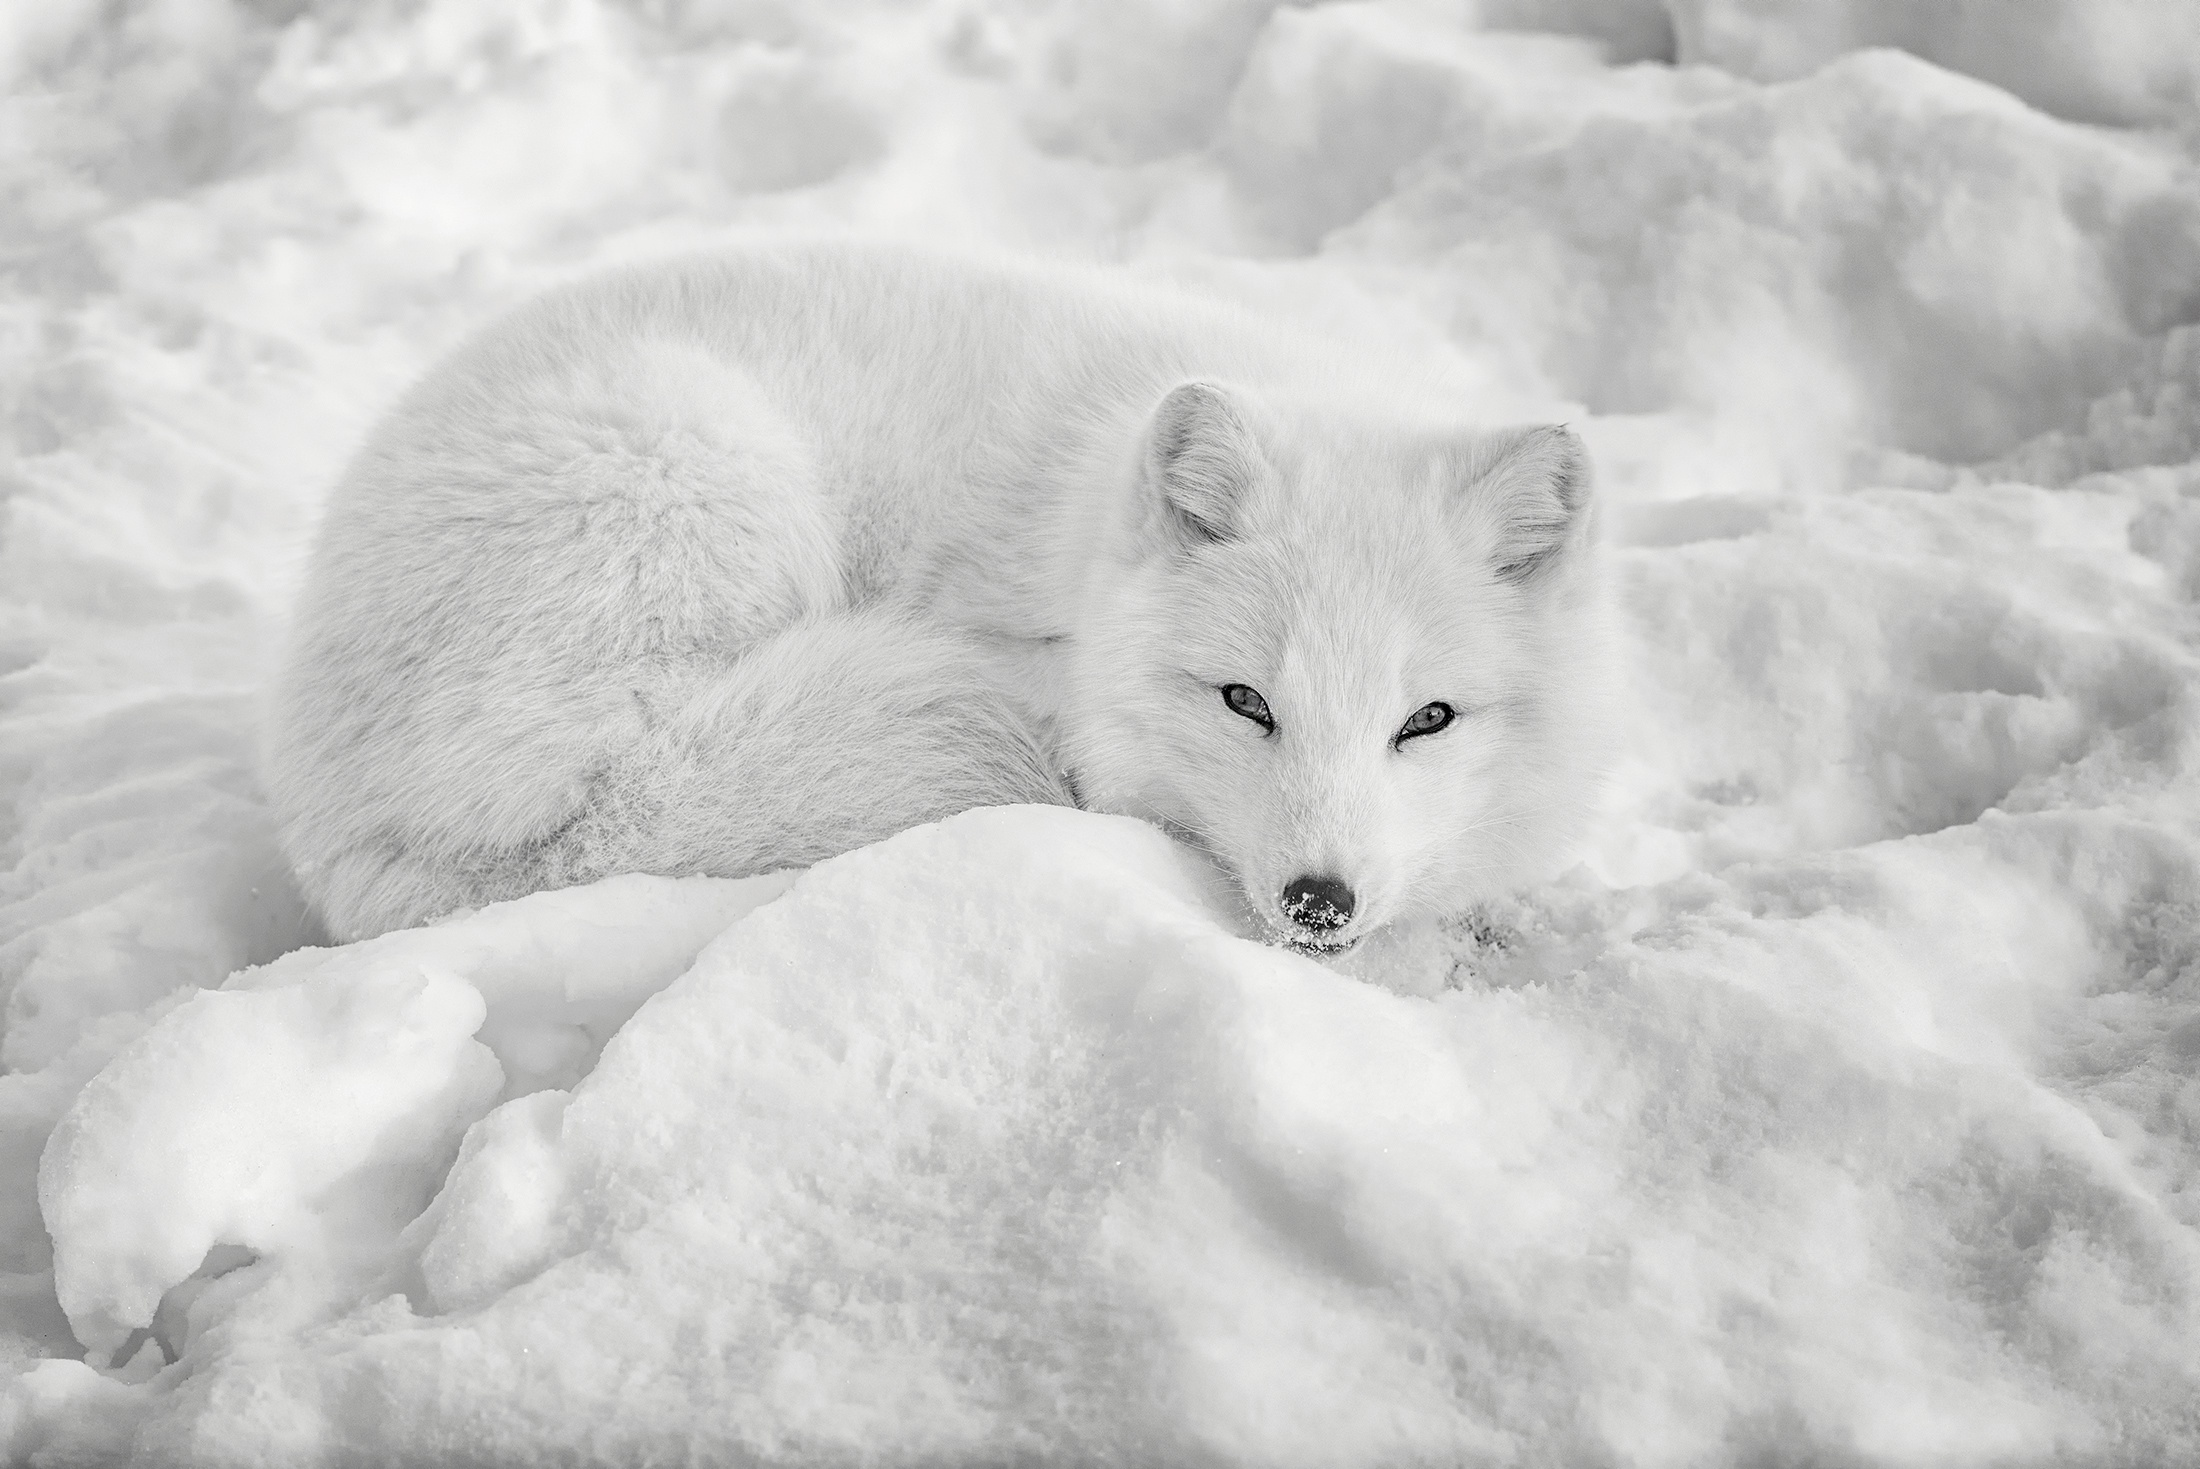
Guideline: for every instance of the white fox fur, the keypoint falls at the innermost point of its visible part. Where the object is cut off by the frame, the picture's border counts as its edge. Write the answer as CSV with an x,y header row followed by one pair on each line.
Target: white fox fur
x,y
733,564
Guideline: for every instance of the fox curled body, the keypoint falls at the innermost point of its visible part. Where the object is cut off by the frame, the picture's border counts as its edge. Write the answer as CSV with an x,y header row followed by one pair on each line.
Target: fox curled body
x,y
732,564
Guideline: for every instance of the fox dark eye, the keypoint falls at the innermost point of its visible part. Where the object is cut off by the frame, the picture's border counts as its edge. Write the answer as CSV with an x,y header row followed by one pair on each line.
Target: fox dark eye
x,y
1248,704
1427,719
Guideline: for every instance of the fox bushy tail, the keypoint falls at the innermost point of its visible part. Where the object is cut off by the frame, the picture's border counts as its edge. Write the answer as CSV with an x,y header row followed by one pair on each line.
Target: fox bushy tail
x,y
834,732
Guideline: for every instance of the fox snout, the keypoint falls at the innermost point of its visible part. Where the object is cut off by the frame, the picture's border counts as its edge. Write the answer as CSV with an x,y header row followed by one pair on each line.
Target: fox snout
x,y
1316,906
1318,903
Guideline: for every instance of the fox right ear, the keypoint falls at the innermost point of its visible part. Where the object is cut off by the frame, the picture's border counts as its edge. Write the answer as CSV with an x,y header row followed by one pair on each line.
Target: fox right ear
x,y
1533,492
1200,460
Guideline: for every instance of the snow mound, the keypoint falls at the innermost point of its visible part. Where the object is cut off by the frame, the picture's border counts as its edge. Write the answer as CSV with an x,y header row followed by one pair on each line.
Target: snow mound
x,y
1882,251
1070,1170
307,1110
2111,61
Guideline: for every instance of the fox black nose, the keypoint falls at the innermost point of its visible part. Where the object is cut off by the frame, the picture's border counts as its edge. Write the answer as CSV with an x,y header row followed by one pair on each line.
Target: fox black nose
x,y
1317,902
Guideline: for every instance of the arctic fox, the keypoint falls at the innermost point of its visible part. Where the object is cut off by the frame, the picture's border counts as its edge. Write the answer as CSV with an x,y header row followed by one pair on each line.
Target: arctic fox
x,y
734,564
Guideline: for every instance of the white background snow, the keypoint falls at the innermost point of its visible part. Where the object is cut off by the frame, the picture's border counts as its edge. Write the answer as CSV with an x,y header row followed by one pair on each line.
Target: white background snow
x,y
1842,1107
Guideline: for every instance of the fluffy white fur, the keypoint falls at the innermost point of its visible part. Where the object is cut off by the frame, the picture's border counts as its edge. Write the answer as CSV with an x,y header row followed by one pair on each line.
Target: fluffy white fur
x,y
733,564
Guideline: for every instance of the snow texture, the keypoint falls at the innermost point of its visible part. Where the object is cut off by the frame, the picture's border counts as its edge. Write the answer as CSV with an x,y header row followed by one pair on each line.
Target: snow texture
x,y
1843,1106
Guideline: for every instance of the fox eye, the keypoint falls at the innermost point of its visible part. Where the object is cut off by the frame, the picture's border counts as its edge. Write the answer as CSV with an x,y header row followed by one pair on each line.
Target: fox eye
x,y
1248,704
1427,719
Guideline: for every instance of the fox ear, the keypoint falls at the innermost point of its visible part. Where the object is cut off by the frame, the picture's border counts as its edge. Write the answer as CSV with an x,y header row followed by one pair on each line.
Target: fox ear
x,y
1200,461
1532,491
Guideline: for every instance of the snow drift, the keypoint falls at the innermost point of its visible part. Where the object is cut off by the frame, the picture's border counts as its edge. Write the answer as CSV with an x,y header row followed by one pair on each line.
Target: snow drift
x,y
1843,1106
991,1141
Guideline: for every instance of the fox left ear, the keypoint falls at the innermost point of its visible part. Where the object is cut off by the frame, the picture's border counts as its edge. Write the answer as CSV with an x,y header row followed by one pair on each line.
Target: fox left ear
x,y
1201,461
1532,491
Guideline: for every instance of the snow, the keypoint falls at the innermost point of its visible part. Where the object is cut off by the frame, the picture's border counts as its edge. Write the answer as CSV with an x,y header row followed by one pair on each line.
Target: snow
x,y
1842,1106
2111,61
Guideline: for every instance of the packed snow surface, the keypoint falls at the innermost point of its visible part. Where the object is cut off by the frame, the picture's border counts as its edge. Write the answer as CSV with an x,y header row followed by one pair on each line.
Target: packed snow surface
x,y
1842,1106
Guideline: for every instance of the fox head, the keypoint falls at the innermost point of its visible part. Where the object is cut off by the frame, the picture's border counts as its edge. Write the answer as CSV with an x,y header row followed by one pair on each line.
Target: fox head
x,y
1347,655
